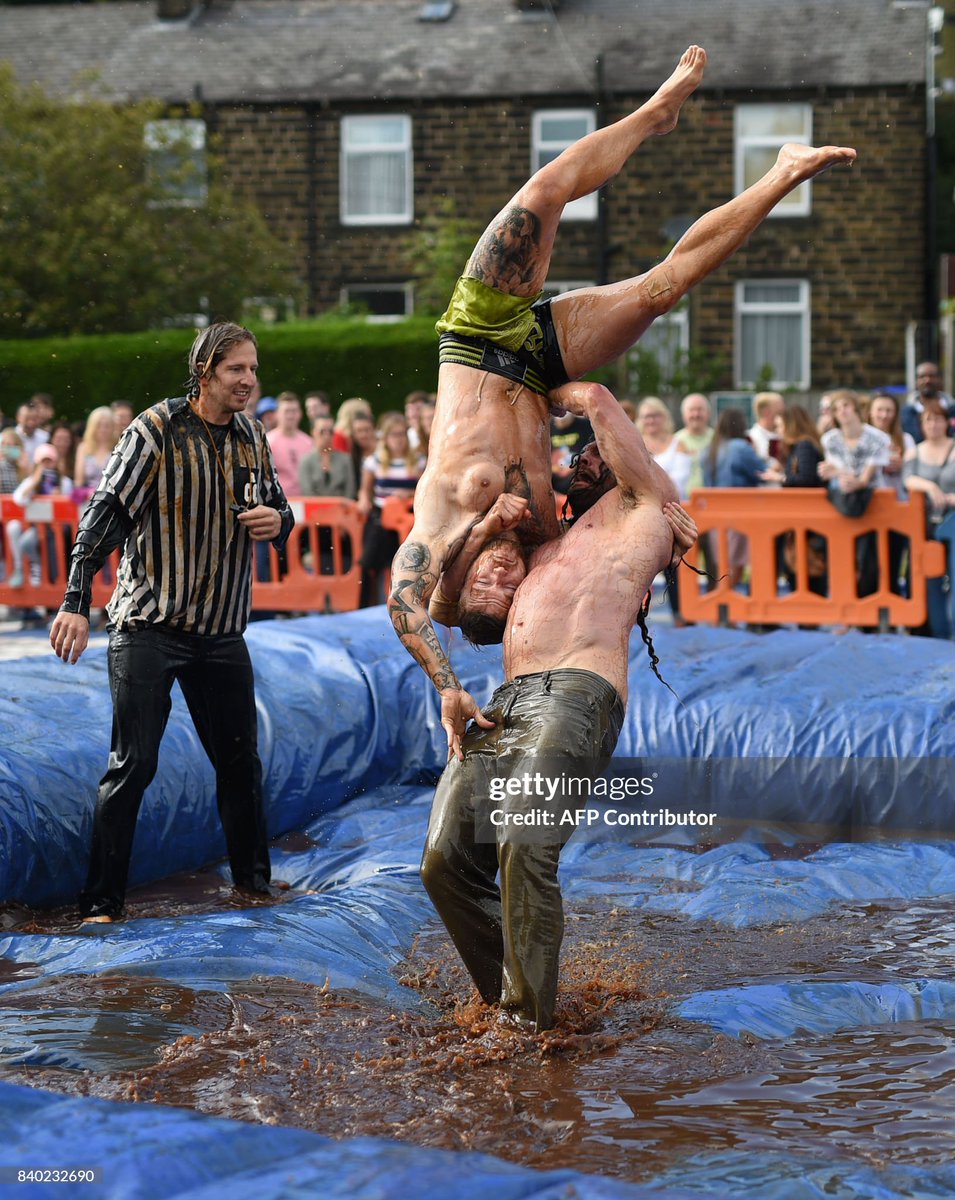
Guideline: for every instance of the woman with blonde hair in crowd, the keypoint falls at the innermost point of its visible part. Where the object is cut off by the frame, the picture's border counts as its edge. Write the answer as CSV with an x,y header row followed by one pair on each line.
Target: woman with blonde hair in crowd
x,y
347,411
392,471
419,432
94,451
655,426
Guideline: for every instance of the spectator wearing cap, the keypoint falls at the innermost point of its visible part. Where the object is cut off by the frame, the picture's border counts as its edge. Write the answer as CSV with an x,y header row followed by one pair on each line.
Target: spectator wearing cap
x,y
267,412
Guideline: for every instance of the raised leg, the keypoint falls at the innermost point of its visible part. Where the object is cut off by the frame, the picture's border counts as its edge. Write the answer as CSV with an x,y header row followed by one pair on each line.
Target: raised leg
x,y
596,325
513,253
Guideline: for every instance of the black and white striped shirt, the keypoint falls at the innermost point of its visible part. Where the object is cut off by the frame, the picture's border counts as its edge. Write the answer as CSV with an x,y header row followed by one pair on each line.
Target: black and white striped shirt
x,y
187,561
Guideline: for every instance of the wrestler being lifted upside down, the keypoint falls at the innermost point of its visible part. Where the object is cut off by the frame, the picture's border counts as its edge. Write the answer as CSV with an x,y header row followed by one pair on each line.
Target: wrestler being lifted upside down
x,y
504,356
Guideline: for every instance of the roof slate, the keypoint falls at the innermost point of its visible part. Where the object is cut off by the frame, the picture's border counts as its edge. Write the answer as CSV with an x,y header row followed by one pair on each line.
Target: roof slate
x,y
337,51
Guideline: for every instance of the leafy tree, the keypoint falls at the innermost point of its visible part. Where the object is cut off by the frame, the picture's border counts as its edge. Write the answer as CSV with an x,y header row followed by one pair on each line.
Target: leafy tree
x,y
89,239
440,246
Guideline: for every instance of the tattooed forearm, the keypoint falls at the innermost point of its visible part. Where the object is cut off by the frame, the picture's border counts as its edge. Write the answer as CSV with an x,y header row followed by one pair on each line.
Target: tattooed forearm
x,y
422,643
412,584
508,254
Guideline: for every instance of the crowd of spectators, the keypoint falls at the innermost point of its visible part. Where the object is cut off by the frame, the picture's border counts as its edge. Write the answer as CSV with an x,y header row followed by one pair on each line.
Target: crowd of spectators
x,y
351,453
854,443
858,442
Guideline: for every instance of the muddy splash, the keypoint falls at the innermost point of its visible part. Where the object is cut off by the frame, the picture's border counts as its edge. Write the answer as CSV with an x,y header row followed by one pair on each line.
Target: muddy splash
x,y
620,1087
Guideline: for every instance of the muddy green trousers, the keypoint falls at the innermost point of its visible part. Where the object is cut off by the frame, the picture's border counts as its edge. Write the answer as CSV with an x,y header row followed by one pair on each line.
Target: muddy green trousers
x,y
497,812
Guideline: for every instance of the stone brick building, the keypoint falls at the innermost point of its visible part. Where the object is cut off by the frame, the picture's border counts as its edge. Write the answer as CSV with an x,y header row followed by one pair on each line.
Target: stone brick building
x,y
350,121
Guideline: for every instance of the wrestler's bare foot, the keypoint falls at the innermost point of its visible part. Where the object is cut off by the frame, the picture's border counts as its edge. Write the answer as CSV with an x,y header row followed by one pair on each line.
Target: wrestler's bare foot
x,y
803,162
103,919
668,98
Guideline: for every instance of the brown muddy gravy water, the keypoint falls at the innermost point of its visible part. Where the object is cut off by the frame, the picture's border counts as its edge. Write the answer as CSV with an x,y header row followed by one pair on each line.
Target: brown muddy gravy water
x,y
619,1088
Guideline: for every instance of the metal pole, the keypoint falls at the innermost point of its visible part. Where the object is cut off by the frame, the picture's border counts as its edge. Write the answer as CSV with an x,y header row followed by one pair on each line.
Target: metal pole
x,y
934,23
600,233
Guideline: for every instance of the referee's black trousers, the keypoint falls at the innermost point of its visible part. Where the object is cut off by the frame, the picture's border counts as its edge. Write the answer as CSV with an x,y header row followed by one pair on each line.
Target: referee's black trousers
x,y
215,675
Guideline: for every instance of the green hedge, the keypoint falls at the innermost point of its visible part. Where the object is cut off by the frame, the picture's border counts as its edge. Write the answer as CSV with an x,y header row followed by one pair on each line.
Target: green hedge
x,y
342,357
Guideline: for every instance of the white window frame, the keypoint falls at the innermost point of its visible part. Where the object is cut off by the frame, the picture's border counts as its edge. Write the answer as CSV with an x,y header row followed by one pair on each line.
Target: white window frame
x,y
159,136
801,307
403,216
799,202
350,290
584,208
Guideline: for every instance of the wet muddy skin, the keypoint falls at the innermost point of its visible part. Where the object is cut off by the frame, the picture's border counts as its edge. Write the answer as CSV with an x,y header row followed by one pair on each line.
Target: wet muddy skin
x,y
621,1087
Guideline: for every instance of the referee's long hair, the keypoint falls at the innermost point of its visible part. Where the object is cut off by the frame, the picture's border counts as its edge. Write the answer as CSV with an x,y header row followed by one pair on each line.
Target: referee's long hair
x,y
209,349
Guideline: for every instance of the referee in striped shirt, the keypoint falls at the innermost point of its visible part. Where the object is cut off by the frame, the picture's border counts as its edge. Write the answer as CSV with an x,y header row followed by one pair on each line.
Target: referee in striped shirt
x,y
187,490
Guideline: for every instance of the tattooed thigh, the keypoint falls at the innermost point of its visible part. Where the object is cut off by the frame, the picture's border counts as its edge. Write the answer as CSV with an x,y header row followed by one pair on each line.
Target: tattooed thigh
x,y
507,255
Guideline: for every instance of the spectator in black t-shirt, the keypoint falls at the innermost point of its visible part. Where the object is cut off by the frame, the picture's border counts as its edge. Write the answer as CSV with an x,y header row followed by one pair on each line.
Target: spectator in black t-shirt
x,y
568,436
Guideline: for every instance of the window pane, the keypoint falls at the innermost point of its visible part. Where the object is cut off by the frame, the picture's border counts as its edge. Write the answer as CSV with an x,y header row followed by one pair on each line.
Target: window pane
x,y
375,131
757,161
553,132
782,121
547,156
176,161
564,129
380,302
774,341
772,293
376,185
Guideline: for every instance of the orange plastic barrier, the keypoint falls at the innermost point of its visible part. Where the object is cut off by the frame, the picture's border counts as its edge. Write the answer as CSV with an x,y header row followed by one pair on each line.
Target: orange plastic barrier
x,y
767,514
55,519
322,560
398,515
320,569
